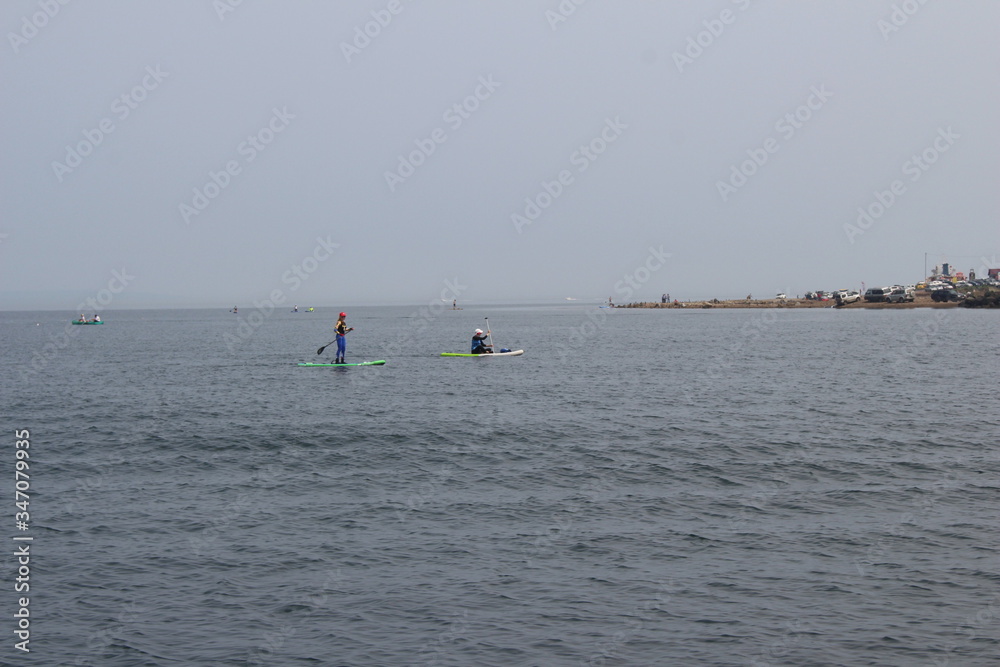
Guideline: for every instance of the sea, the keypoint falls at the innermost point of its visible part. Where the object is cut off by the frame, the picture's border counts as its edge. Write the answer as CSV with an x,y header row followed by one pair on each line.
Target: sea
x,y
640,487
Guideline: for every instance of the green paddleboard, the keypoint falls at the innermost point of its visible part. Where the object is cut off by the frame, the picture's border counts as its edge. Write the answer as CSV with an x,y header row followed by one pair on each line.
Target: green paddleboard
x,y
363,363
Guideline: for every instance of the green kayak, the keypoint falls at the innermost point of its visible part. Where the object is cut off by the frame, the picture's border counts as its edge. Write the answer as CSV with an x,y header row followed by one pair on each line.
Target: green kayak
x,y
87,322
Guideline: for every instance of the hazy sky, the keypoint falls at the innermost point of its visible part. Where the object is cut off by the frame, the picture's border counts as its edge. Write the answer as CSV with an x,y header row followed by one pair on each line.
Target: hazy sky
x,y
394,151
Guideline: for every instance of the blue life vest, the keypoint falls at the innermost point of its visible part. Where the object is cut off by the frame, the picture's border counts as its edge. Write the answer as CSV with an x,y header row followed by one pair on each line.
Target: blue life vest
x,y
477,341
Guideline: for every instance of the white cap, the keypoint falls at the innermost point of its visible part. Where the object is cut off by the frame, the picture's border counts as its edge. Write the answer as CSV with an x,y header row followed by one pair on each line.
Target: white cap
x,y
479,331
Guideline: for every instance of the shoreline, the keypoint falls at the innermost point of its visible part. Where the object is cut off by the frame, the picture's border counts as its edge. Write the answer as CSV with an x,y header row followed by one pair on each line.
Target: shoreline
x,y
921,301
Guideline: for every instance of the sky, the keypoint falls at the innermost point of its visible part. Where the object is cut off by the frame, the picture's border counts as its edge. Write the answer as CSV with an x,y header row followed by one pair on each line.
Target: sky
x,y
215,153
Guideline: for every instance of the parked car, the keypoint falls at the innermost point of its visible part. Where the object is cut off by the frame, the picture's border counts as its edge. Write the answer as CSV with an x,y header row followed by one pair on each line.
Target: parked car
x,y
899,295
877,294
781,296
846,296
944,295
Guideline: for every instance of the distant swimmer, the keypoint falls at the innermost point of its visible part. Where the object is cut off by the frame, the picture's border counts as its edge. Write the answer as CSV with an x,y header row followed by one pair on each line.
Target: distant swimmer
x,y
342,329
479,344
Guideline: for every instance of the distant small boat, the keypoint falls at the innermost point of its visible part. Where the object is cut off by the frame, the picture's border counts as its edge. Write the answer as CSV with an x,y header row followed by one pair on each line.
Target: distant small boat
x,y
88,321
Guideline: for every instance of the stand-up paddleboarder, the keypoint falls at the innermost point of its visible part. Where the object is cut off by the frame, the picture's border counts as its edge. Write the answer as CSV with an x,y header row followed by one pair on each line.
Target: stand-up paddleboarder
x,y
342,330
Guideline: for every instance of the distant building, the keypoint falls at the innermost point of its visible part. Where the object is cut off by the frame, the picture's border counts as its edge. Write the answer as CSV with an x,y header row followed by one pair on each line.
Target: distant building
x,y
994,274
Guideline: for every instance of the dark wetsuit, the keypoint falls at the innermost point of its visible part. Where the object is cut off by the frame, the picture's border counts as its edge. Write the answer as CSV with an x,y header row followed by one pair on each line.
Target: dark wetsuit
x,y
479,344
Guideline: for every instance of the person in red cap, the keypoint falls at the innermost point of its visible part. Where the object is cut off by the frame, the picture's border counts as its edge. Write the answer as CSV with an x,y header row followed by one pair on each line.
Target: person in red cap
x,y
342,330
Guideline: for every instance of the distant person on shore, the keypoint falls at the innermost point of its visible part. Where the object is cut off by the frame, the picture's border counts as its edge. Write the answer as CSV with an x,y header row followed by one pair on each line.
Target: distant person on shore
x,y
749,297
663,299
479,344
342,330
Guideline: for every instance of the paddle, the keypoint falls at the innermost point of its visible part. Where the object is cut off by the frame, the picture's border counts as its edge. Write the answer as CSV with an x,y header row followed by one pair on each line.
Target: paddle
x,y
489,332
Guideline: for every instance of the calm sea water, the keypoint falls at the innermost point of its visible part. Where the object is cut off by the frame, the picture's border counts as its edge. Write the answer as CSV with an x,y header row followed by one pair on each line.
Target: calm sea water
x,y
640,488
